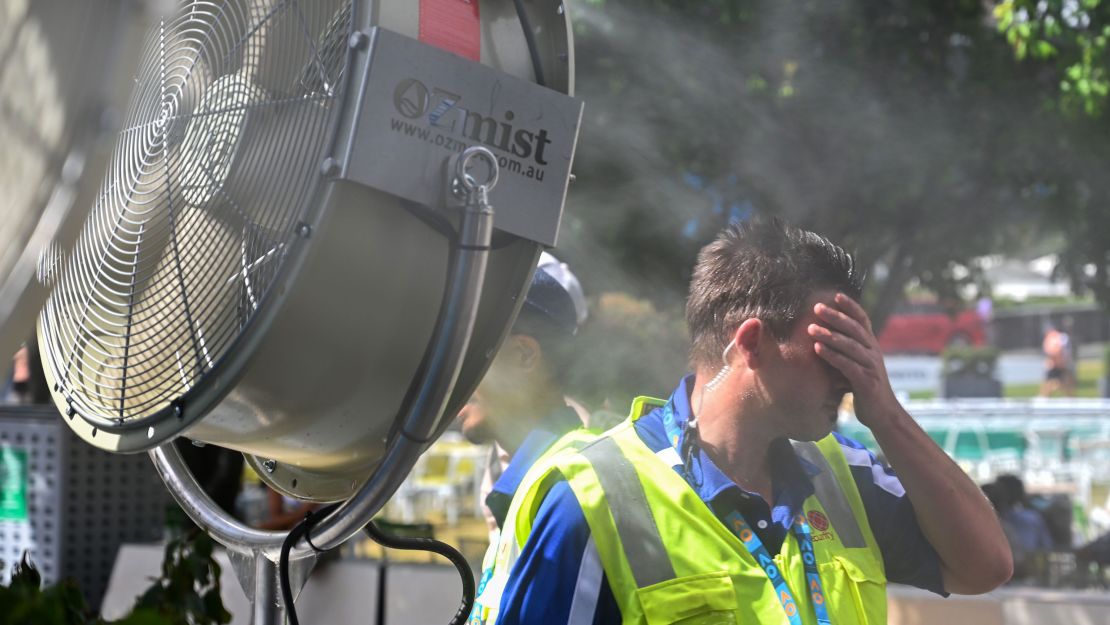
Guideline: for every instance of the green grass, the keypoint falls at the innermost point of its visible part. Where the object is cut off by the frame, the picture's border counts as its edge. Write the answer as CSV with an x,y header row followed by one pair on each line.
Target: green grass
x,y
1088,374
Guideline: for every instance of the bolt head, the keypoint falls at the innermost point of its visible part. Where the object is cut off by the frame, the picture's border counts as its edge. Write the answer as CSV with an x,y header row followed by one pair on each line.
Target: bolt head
x,y
329,168
358,41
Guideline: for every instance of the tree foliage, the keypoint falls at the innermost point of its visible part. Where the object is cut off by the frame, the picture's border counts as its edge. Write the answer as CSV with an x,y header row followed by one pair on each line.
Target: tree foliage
x,y
904,130
1070,35
186,593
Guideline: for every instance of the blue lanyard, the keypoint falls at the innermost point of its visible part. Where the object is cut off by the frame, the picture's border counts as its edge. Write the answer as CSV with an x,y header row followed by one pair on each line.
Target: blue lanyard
x,y
737,524
800,528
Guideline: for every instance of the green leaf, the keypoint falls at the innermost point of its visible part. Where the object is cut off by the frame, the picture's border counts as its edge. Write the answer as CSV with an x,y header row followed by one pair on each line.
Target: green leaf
x,y
1044,49
194,604
757,83
214,607
1004,13
1005,21
26,576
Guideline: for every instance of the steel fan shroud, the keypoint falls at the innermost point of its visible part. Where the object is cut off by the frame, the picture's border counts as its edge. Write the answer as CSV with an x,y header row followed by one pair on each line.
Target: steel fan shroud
x,y
223,288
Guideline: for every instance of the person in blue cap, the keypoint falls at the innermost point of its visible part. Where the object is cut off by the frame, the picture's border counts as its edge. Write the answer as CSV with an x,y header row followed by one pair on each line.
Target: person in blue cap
x,y
521,406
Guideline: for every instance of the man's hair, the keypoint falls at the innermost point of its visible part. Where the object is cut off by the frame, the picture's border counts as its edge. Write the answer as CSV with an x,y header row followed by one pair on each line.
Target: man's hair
x,y
762,269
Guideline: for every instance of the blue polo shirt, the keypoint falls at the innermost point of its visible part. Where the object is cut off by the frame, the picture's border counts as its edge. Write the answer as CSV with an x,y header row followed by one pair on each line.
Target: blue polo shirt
x,y
558,577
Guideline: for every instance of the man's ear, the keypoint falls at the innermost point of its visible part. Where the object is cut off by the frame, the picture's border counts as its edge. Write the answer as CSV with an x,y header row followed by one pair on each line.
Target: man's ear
x,y
748,340
527,351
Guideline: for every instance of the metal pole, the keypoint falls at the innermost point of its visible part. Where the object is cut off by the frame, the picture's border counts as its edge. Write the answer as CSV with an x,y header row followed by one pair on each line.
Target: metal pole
x,y
265,609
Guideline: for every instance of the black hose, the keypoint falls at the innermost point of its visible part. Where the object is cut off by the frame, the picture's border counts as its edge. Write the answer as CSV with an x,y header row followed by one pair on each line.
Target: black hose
x,y
300,531
433,546
530,39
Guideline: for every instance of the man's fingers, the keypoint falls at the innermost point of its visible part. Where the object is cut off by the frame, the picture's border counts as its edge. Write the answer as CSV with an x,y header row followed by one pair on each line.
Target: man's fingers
x,y
847,346
850,368
854,310
838,320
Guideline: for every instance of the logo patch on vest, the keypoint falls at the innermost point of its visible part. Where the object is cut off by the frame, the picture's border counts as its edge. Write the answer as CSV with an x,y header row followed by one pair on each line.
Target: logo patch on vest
x,y
818,520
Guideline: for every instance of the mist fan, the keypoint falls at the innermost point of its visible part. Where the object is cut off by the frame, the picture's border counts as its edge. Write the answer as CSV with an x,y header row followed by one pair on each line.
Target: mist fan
x,y
277,261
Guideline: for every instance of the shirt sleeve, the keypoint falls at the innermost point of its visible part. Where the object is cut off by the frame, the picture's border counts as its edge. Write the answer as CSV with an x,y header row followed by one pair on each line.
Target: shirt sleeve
x,y
908,557
558,579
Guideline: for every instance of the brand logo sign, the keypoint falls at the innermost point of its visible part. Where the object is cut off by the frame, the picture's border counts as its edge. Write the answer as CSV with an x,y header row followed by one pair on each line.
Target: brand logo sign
x,y
444,111
417,105
818,520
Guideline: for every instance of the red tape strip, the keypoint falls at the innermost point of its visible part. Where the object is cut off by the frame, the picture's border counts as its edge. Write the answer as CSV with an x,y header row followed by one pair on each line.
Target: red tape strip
x,y
453,25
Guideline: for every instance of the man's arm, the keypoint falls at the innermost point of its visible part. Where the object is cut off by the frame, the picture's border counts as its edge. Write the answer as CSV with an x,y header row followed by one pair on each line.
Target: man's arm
x,y
908,556
951,509
558,578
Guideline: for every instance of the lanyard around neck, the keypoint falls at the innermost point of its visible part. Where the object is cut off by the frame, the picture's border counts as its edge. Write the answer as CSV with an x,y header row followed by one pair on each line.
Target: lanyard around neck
x,y
800,528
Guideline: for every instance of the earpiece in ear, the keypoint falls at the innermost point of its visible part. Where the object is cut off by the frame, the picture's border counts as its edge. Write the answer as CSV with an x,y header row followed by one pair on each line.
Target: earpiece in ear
x,y
723,372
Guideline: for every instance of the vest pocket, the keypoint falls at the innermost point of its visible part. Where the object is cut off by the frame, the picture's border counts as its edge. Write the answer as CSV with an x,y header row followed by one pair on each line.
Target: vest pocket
x,y
856,590
706,599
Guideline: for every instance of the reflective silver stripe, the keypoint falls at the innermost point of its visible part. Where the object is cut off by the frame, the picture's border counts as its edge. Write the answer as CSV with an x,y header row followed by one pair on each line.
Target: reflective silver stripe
x,y
831,496
643,546
588,587
669,456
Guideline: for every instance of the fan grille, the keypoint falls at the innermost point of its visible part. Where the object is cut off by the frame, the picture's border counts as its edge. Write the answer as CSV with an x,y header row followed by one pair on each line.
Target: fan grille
x,y
212,176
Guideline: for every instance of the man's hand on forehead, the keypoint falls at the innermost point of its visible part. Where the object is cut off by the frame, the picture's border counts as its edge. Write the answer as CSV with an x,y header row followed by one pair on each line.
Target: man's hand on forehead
x,y
844,339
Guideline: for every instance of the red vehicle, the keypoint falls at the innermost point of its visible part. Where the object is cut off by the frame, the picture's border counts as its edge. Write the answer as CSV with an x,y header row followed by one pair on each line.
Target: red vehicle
x,y
927,328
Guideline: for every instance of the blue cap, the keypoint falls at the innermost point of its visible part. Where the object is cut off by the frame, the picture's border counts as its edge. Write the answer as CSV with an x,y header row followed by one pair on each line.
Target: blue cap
x,y
555,296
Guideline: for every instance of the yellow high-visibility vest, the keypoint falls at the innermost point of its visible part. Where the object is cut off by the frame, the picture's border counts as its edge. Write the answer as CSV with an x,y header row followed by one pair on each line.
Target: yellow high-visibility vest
x,y
503,548
669,559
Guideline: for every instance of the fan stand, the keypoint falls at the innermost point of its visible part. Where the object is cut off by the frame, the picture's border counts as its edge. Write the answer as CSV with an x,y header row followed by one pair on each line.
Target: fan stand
x,y
253,552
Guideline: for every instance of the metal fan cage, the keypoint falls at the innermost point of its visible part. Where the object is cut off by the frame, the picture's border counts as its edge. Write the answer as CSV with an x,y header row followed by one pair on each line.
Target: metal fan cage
x,y
210,186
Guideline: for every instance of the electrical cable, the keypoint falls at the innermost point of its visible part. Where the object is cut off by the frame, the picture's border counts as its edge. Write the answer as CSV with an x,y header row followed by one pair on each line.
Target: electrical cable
x,y
530,39
300,530
433,546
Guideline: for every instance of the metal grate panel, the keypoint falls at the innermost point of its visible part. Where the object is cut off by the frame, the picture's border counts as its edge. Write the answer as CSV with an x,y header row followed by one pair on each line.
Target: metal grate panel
x,y
81,503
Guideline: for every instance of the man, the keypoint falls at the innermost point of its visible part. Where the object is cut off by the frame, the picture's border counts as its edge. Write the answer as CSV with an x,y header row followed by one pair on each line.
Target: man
x,y
520,405
732,502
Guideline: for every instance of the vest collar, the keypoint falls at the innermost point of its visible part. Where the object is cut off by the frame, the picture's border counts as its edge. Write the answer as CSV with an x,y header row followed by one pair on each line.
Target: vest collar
x,y
791,476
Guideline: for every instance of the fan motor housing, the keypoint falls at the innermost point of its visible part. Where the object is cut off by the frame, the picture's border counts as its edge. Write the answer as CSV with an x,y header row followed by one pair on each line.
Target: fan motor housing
x,y
252,295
